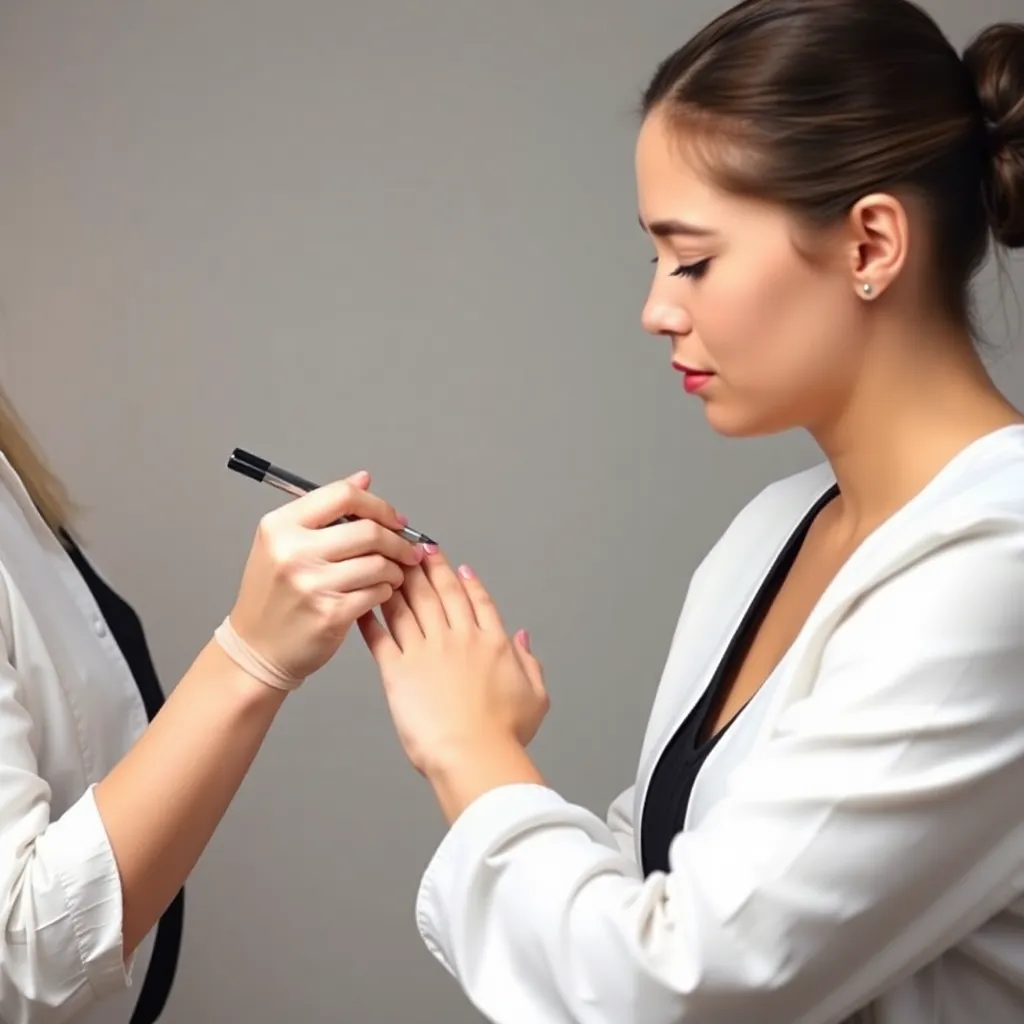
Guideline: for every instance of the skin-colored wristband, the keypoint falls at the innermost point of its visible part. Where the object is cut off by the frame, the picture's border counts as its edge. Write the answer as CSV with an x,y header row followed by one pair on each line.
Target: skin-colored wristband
x,y
252,661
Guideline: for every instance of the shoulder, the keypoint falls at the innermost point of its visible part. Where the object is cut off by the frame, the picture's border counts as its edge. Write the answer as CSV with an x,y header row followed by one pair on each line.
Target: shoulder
x,y
938,592
981,490
983,487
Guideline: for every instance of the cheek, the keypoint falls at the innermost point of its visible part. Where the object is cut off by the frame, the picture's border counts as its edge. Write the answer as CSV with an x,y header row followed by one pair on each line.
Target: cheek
x,y
737,316
774,335
762,325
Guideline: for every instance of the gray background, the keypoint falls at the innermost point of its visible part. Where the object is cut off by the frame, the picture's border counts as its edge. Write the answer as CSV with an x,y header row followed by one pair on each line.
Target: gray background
x,y
392,235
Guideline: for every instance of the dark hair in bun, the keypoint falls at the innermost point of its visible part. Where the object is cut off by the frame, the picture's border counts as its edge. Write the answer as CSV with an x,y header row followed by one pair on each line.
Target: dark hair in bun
x,y
995,61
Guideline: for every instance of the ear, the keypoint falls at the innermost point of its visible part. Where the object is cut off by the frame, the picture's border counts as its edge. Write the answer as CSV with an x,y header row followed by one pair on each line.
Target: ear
x,y
880,240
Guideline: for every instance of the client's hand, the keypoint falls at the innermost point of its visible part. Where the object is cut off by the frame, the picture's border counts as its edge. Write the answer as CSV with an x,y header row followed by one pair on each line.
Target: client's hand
x,y
453,679
306,581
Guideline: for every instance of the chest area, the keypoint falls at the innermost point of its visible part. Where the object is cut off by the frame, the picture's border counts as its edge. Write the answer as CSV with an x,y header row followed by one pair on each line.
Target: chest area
x,y
772,622
81,704
736,648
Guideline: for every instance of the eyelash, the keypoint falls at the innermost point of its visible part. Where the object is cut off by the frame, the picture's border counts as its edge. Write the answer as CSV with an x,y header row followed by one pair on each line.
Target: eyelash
x,y
694,271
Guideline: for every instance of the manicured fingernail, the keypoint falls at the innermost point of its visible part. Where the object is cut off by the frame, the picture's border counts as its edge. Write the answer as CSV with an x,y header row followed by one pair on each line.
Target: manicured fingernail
x,y
361,475
524,639
466,573
430,549
401,520
418,553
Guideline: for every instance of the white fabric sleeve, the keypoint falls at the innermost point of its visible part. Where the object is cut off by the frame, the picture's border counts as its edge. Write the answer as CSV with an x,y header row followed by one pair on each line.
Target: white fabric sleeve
x,y
878,826
60,892
620,821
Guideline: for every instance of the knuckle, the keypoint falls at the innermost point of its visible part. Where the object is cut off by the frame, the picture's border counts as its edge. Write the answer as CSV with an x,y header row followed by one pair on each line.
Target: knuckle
x,y
391,574
386,571
369,534
282,549
305,582
345,493
388,540
381,566
267,529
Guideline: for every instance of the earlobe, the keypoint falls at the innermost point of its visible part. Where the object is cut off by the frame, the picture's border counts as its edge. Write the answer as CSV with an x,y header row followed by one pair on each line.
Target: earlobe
x,y
880,235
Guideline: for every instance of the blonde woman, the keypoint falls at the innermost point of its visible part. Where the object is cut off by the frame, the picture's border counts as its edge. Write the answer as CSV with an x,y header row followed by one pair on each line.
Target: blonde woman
x,y
109,794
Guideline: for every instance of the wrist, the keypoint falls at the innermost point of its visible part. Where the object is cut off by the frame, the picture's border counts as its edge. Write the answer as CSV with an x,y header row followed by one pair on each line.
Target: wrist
x,y
243,687
467,770
251,661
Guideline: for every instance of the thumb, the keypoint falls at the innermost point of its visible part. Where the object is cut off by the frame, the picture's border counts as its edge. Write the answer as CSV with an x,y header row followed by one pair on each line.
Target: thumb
x,y
531,666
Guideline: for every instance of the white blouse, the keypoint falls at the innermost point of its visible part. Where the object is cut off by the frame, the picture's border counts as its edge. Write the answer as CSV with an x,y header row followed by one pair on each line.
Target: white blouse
x,y
854,845
69,710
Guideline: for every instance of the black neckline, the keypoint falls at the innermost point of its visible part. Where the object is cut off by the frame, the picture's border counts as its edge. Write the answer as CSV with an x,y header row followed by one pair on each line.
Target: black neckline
x,y
675,773
127,632
742,639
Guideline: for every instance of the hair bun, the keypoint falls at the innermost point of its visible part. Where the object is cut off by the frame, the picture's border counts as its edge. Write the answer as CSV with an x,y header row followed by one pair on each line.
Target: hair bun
x,y
995,61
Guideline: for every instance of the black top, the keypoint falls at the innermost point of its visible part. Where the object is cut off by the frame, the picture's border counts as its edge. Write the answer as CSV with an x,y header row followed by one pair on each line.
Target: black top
x,y
126,629
668,794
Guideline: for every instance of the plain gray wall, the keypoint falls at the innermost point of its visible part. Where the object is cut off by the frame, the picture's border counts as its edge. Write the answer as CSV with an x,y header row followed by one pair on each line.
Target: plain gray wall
x,y
392,235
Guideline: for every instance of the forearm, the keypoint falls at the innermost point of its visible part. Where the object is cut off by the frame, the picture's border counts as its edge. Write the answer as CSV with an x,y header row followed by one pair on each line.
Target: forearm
x,y
462,775
162,802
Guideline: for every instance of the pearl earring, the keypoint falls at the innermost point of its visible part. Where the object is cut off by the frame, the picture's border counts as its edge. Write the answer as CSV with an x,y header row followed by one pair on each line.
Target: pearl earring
x,y
866,288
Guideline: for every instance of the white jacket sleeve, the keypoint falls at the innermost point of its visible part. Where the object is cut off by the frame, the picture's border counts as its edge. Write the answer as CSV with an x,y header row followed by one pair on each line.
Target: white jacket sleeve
x,y
878,825
60,892
620,821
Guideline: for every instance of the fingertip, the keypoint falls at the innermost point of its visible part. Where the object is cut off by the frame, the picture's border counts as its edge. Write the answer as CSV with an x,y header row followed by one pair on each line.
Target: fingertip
x,y
523,638
466,573
360,479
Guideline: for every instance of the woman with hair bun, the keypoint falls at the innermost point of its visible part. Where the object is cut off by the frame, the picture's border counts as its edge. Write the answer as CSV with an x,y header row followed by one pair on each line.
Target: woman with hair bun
x,y
827,822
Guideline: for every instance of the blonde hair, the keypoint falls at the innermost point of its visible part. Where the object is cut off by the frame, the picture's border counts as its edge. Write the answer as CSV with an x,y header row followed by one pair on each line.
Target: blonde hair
x,y
43,486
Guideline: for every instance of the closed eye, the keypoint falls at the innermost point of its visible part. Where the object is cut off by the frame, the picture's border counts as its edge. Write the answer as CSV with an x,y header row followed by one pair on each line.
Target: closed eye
x,y
691,270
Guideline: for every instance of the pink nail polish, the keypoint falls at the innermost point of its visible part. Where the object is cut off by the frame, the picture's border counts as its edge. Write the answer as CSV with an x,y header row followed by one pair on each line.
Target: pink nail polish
x,y
524,636
466,573
402,521
430,549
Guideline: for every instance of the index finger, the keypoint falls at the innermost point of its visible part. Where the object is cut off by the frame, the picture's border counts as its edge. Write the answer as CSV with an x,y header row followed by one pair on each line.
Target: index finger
x,y
334,501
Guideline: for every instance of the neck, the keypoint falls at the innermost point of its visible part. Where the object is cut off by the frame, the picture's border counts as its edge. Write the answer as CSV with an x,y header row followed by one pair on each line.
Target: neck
x,y
916,407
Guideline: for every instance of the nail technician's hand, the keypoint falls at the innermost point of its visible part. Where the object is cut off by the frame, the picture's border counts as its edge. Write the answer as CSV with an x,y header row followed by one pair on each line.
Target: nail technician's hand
x,y
306,582
454,680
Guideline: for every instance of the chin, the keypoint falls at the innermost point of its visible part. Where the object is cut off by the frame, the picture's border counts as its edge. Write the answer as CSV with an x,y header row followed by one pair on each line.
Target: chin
x,y
737,421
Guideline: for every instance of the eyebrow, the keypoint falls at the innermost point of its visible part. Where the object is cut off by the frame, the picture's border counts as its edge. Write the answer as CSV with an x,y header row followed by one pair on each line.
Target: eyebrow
x,y
669,228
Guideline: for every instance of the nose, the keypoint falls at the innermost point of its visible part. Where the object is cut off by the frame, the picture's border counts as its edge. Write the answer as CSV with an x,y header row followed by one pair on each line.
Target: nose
x,y
664,318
